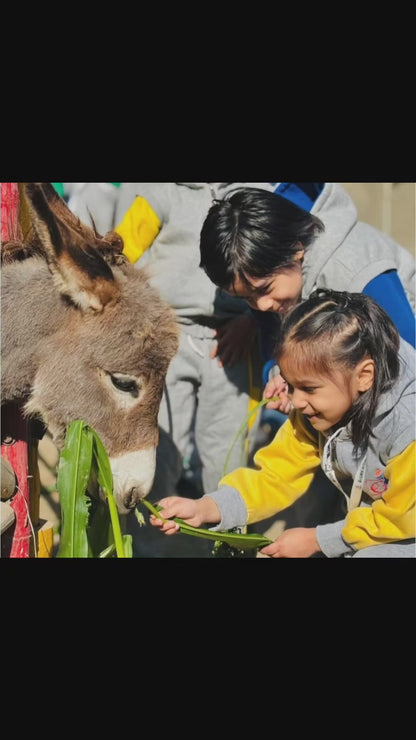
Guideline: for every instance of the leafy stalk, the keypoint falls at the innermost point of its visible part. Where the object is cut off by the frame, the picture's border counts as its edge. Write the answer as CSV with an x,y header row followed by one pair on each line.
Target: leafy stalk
x,y
72,481
85,522
105,481
239,541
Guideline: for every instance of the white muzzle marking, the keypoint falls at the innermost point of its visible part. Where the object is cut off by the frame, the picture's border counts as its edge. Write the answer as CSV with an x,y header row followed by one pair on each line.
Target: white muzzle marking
x,y
134,470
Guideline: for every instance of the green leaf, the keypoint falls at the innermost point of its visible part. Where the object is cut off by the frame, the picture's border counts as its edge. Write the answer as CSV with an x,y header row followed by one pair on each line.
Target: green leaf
x,y
128,545
105,476
85,521
239,541
108,551
72,481
105,481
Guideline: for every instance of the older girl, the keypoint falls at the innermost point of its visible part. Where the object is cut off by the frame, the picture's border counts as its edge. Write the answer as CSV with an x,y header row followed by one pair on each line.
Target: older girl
x,y
263,247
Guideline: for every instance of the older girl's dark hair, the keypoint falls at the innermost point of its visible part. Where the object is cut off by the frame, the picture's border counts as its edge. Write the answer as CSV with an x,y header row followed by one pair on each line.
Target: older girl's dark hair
x,y
335,330
253,232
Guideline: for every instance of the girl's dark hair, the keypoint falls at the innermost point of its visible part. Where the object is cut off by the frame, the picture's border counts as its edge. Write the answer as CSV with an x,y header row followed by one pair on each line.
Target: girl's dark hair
x,y
336,330
253,232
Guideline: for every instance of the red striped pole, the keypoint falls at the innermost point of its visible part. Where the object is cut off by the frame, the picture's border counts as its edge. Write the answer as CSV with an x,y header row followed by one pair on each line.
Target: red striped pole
x,y
14,427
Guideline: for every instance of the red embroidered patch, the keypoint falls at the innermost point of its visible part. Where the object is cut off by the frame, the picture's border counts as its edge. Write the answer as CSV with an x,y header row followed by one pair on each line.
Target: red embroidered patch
x,y
379,486
376,487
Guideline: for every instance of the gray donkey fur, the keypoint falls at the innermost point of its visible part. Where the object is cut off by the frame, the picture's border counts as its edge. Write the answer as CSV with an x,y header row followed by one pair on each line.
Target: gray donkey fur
x,y
84,336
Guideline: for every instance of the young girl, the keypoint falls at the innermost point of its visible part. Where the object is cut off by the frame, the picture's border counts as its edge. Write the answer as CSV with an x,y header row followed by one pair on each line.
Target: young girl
x,y
351,384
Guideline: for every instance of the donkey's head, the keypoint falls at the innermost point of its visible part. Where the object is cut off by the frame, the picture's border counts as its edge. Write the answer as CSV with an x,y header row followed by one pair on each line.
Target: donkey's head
x,y
97,340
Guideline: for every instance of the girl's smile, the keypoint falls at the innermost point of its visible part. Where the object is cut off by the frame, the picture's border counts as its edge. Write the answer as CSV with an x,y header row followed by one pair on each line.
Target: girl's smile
x,y
323,399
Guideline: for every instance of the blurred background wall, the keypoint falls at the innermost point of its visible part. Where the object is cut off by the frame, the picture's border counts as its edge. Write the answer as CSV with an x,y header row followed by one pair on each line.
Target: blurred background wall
x,y
390,206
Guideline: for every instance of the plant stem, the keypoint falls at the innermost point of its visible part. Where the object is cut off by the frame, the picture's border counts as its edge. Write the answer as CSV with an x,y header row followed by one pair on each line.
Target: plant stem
x,y
115,522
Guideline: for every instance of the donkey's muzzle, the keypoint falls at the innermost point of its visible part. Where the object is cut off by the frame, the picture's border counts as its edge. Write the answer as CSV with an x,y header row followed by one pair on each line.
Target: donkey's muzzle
x,y
133,476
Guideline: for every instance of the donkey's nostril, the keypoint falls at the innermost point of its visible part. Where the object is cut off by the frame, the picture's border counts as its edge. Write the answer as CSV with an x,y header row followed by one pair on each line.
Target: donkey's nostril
x,y
129,500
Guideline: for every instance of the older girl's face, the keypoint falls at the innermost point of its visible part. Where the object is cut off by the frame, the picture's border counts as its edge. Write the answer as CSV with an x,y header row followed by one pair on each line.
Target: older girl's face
x,y
278,293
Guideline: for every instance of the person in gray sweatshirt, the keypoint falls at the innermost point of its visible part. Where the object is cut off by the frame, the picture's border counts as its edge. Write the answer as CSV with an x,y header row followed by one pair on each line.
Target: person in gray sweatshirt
x,y
351,383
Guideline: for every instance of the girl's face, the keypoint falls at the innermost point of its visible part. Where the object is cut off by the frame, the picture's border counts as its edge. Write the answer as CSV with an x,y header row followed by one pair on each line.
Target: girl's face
x,y
324,400
278,293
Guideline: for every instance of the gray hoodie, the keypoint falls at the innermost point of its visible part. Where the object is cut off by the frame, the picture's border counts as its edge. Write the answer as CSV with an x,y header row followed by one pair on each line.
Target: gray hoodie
x,y
350,253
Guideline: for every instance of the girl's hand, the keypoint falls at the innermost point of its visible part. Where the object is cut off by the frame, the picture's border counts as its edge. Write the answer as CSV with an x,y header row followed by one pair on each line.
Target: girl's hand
x,y
299,542
276,386
193,511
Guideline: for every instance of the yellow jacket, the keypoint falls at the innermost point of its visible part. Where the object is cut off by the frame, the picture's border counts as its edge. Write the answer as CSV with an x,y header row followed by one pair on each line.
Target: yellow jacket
x,y
285,469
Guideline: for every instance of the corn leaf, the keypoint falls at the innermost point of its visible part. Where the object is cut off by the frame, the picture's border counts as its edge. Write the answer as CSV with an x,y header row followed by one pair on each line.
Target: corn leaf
x,y
105,481
89,528
72,481
105,477
239,541
128,545
107,552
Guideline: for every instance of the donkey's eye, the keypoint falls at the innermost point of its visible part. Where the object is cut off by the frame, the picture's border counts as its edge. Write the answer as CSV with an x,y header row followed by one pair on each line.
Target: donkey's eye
x,y
127,385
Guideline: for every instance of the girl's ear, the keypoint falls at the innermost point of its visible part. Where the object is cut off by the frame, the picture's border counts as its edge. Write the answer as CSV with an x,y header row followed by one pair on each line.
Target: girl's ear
x,y
365,374
299,254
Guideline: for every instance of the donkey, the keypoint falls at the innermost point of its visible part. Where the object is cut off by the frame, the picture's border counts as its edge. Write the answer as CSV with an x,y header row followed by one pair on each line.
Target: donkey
x,y
85,336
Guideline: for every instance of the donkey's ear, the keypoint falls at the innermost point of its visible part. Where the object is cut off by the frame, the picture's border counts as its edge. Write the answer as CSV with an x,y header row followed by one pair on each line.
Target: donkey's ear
x,y
58,205
71,250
